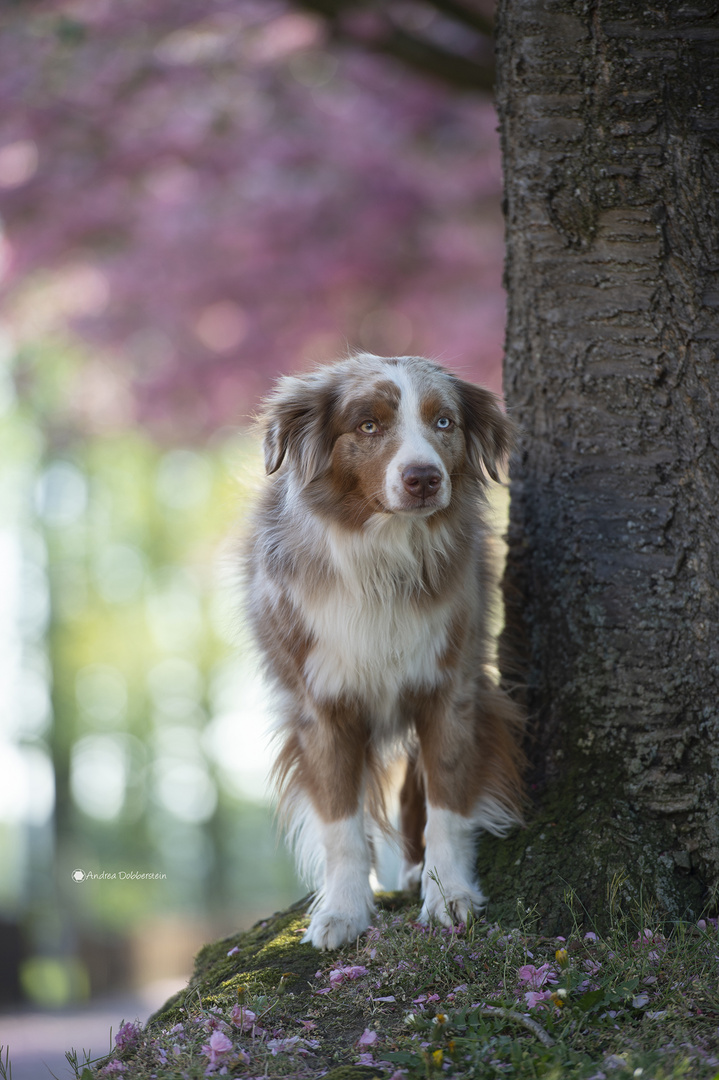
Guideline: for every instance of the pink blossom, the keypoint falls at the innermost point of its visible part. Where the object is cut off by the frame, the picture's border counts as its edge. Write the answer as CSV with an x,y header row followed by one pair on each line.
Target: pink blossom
x,y
339,974
113,1068
282,1046
243,1018
128,1036
266,202
367,1038
218,1046
534,997
368,1059
214,1023
536,976
651,938
425,997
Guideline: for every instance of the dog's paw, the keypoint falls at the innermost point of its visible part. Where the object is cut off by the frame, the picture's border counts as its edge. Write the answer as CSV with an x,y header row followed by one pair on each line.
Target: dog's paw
x,y
410,877
330,929
452,903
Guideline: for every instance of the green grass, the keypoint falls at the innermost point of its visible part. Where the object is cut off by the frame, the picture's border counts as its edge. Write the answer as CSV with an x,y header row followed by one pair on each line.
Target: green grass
x,y
424,1002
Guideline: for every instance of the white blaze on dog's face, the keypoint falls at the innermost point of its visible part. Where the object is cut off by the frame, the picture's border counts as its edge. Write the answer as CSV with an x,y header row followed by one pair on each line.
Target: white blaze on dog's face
x,y
417,476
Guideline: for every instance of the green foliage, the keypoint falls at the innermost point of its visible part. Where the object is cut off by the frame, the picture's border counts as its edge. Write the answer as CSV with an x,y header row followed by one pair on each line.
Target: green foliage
x,y
5,1066
139,679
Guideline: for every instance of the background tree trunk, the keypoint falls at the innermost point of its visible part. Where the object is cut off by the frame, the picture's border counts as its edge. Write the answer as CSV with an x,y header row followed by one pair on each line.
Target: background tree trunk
x,y
610,125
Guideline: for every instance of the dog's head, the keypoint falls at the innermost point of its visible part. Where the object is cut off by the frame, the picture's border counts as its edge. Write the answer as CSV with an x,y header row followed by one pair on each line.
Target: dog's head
x,y
373,435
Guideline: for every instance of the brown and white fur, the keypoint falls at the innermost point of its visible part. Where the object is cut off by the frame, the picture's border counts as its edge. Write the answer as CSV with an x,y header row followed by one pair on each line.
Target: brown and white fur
x,y
368,594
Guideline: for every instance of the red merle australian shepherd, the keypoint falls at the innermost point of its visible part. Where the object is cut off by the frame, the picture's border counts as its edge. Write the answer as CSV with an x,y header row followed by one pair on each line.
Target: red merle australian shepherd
x,y
368,594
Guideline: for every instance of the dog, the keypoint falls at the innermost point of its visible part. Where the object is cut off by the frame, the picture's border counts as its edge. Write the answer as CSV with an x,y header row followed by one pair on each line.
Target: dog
x,y
368,593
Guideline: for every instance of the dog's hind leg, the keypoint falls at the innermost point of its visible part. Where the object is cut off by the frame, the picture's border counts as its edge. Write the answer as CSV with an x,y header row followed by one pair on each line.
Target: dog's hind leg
x,y
471,768
413,817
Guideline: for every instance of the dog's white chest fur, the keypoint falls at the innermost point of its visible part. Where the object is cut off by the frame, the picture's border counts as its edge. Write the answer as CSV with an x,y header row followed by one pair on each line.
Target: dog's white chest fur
x,y
372,634
364,647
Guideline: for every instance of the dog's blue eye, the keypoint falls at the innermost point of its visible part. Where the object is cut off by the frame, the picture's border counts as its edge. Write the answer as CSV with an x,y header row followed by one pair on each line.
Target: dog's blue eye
x,y
369,427
444,422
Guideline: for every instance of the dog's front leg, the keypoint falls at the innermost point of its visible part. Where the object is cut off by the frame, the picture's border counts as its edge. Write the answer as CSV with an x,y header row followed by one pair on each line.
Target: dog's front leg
x,y
331,774
344,907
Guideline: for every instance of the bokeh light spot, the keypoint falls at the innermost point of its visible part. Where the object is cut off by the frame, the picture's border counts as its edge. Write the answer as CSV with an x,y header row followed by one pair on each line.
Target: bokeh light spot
x,y
176,687
98,775
119,573
174,613
222,327
27,785
18,163
184,479
61,494
186,790
101,692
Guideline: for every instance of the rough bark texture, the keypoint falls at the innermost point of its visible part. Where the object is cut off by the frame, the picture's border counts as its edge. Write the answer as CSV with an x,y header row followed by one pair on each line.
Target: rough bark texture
x,y
610,125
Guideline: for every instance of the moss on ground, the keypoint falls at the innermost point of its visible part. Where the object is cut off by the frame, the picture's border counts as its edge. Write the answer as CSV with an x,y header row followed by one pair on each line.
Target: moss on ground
x,y
266,958
429,1002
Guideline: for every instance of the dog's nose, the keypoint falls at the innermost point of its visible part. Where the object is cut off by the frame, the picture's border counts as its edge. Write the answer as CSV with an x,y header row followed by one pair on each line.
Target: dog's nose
x,y
421,480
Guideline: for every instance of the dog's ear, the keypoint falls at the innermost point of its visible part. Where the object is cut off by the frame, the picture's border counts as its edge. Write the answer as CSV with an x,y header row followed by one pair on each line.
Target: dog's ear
x,y
489,432
297,424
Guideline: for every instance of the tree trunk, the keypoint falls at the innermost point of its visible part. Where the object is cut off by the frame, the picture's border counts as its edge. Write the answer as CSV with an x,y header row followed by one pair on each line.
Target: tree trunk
x,y
610,126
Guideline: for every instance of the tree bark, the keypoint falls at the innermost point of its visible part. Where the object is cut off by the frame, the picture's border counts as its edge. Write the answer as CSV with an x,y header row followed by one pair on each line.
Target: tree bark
x,y
609,115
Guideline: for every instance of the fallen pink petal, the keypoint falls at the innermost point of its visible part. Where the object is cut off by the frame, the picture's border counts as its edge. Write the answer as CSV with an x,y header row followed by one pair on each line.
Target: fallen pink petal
x,y
536,997
536,977
282,1046
219,1045
243,1018
339,974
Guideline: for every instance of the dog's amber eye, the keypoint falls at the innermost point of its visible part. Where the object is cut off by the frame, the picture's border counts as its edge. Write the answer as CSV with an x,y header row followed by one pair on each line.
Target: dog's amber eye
x,y
368,427
444,423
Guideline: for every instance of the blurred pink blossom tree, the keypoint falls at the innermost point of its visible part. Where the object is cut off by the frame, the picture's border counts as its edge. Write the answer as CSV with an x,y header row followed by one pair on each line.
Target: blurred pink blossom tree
x,y
209,194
